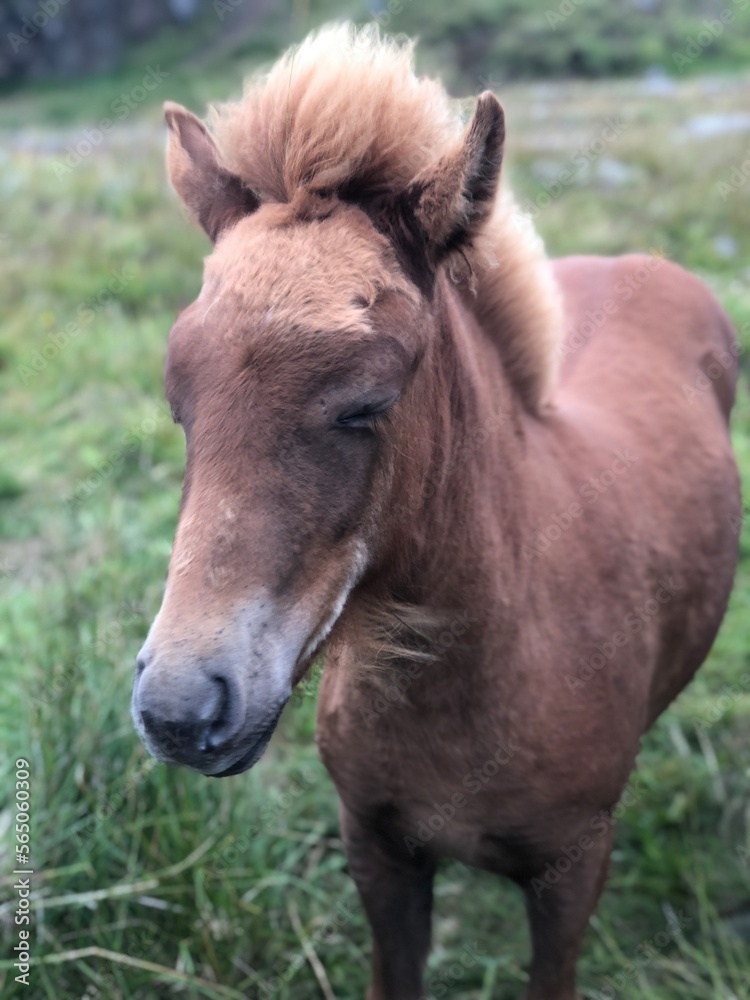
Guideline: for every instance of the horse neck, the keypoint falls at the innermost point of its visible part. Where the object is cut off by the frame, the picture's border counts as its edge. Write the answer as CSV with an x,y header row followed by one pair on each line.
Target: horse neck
x,y
463,532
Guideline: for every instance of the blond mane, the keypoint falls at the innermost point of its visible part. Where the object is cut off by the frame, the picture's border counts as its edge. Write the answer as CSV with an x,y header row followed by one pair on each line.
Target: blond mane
x,y
345,109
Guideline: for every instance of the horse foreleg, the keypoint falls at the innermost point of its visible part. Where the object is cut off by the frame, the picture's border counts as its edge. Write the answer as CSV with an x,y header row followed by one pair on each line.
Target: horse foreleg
x,y
558,916
396,892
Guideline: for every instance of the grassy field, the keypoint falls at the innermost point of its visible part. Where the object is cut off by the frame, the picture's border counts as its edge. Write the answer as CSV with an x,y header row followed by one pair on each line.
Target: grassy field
x,y
153,882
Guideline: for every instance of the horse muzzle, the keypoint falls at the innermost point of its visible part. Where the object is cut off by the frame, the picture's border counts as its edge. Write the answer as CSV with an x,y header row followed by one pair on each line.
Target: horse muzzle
x,y
200,714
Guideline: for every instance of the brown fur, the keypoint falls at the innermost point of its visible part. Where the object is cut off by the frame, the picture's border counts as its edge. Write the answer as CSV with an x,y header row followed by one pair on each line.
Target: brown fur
x,y
382,463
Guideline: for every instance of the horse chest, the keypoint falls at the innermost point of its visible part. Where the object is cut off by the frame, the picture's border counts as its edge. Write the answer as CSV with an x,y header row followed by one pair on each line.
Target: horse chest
x,y
427,786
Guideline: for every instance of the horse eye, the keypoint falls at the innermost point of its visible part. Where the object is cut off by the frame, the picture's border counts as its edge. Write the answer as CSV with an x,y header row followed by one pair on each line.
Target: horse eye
x,y
361,419
365,416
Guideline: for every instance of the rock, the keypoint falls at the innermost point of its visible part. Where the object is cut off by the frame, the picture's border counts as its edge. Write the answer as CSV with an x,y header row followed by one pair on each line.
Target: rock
x,y
719,123
725,245
613,173
657,81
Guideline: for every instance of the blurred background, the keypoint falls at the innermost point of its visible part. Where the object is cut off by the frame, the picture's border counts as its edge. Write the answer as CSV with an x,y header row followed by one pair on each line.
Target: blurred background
x,y
628,129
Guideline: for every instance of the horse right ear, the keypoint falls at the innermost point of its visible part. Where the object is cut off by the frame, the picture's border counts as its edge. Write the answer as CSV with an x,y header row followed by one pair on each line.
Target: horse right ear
x,y
216,197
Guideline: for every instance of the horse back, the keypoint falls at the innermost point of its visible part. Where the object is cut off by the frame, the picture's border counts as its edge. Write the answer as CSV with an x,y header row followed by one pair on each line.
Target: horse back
x,y
649,371
641,318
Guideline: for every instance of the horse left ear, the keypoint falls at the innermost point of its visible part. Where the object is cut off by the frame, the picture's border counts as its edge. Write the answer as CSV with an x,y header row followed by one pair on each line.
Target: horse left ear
x,y
216,197
453,198
447,204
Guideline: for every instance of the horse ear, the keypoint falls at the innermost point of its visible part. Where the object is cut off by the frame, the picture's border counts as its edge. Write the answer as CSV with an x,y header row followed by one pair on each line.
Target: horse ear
x,y
455,196
216,197
445,205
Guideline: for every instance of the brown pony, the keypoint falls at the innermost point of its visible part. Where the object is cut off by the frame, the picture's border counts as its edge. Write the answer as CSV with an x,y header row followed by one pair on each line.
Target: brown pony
x,y
514,548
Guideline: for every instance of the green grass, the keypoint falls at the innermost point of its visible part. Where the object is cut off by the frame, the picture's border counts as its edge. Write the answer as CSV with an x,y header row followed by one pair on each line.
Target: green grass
x,y
217,883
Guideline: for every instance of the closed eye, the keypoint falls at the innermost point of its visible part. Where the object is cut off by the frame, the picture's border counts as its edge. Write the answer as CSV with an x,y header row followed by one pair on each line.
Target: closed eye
x,y
364,416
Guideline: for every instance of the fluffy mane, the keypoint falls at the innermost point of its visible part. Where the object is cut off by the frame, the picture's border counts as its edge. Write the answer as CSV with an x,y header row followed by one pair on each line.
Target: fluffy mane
x,y
345,109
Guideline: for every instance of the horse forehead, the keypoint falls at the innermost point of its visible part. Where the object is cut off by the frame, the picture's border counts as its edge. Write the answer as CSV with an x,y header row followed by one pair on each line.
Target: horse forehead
x,y
317,274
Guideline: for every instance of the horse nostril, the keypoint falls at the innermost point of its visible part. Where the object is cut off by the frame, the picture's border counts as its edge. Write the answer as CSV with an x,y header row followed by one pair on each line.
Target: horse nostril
x,y
215,731
140,665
